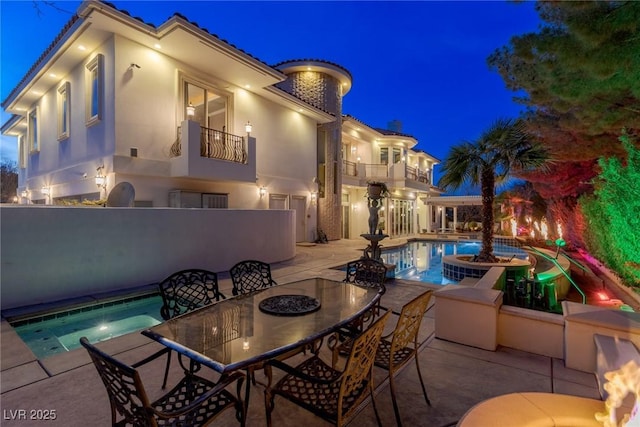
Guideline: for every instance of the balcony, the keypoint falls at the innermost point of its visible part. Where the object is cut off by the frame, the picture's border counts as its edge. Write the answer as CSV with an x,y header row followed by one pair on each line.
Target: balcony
x,y
211,154
395,175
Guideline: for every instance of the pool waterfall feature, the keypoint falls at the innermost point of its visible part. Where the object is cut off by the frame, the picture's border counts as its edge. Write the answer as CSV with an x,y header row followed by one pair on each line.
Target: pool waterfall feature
x,y
540,283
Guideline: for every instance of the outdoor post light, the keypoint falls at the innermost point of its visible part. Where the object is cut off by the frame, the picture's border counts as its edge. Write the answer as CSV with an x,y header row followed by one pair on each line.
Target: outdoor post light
x,y
101,180
248,128
191,110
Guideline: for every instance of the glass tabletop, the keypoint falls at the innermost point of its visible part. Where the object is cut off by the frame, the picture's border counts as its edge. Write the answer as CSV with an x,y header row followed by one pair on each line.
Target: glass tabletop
x,y
234,333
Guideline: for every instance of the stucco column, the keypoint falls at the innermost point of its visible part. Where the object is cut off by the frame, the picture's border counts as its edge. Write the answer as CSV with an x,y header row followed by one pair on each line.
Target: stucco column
x,y
322,84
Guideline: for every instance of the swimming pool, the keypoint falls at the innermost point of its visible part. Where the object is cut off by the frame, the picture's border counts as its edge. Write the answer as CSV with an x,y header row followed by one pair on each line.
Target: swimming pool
x,y
59,332
422,260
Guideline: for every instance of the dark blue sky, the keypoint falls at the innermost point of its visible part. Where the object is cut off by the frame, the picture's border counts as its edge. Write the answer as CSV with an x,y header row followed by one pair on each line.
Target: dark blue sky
x,y
423,63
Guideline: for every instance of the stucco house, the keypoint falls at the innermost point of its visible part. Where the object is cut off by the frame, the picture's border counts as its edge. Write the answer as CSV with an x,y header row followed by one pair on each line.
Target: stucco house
x,y
192,121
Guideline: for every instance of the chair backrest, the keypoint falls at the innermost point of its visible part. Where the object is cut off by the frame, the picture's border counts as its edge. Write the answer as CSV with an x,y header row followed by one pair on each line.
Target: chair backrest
x,y
250,275
366,272
357,371
409,322
127,395
187,290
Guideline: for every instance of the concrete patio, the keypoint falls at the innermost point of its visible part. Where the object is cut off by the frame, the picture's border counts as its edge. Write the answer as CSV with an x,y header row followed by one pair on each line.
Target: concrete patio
x,y
457,377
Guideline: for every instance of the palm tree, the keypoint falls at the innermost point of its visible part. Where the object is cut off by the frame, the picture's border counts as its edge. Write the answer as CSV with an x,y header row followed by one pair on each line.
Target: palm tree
x,y
502,149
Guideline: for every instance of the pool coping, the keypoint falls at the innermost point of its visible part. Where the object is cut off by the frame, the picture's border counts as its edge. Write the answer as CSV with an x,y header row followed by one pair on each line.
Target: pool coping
x,y
19,314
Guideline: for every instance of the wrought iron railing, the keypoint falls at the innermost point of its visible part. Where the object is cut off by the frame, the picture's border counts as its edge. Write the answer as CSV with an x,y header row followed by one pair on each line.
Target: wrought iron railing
x,y
176,147
216,144
411,173
416,174
349,168
424,177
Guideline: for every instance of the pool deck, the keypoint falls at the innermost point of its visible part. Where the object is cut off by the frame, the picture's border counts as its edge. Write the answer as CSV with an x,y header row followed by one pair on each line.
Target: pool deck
x,y
457,376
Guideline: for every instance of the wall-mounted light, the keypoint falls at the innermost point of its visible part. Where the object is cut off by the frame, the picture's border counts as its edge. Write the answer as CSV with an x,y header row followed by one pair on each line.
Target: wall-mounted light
x,y
248,128
45,191
24,194
262,191
358,159
314,197
191,110
101,179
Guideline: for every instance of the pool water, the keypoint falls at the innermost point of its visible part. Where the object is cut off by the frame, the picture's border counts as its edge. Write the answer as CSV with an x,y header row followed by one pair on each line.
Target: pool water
x,y
422,260
60,332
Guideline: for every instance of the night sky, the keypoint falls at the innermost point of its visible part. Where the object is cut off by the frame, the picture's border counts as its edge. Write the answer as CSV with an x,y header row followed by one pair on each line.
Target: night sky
x,y
423,63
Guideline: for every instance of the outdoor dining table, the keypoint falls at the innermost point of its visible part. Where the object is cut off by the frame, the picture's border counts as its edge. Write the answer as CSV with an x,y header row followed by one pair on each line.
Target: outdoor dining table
x,y
245,331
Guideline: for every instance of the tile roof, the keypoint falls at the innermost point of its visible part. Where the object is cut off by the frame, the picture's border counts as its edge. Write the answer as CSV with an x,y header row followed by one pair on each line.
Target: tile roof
x,y
44,54
347,72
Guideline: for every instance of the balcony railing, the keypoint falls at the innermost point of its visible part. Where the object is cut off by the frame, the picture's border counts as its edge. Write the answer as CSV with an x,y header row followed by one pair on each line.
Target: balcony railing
x,y
349,168
376,170
416,174
215,144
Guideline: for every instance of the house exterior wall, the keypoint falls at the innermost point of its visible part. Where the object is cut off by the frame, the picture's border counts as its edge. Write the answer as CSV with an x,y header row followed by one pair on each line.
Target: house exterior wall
x,y
143,109
325,92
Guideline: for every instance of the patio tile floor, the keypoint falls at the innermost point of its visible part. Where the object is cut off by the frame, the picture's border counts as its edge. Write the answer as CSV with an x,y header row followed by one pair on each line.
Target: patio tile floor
x,y
457,377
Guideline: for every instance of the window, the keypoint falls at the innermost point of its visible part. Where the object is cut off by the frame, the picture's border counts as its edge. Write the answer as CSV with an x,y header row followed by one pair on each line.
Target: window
x,y
384,155
63,111
22,158
211,106
396,154
33,131
95,90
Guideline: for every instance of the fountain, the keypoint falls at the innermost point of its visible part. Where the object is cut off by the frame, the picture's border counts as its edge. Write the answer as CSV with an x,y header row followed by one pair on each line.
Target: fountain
x,y
376,192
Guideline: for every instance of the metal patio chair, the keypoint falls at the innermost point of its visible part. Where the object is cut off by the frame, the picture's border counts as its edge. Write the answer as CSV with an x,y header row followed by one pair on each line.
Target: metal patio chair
x,y
194,401
250,275
331,394
183,292
400,346
367,273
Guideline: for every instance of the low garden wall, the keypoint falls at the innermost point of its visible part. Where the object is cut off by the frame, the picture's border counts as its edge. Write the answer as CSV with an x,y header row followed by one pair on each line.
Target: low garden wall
x,y
51,253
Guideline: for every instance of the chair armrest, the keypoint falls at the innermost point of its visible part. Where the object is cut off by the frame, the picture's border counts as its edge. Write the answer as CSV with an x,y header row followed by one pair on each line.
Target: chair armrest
x,y
221,385
154,356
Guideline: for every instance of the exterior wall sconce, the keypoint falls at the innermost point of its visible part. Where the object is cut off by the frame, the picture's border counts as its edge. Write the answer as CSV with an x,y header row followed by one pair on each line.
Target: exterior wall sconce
x,y
45,190
314,197
191,110
24,194
101,180
248,128
262,191
359,159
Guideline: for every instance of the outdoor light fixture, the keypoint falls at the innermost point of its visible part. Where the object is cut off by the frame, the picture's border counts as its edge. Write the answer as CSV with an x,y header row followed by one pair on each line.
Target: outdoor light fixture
x,y
262,191
101,180
314,197
191,110
45,190
248,128
24,193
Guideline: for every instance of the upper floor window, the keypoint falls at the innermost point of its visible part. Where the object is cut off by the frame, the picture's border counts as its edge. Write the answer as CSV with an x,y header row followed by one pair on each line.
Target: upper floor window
x,y
393,153
33,131
22,158
63,111
95,90
210,107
